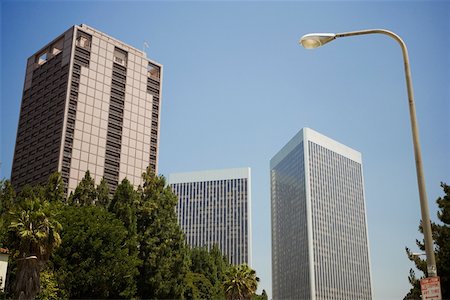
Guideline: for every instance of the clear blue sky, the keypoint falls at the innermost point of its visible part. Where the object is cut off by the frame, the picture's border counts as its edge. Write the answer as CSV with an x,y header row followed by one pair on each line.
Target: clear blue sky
x,y
237,87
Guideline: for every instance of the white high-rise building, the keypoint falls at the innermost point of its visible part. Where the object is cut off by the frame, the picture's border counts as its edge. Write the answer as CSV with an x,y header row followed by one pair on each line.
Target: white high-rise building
x,y
214,207
319,226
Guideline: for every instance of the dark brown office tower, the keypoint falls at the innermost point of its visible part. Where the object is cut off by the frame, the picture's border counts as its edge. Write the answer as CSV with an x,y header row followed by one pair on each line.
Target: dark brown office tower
x,y
90,102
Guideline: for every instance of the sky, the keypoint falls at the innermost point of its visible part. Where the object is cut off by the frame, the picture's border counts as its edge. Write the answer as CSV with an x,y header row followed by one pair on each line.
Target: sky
x,y
237,87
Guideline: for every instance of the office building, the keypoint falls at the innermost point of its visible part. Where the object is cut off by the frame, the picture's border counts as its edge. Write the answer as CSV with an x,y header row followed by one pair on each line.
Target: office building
x,y
319,226
214,207
90,102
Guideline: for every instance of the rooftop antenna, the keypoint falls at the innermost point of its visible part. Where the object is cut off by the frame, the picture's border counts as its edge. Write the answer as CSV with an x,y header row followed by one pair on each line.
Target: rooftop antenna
x,y
146,45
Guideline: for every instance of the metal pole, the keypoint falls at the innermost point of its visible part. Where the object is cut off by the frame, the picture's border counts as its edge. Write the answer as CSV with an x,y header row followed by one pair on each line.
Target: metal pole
x,y
426,223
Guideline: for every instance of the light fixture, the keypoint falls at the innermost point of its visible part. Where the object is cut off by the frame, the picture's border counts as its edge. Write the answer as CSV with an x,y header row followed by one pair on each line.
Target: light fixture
x,y
315,40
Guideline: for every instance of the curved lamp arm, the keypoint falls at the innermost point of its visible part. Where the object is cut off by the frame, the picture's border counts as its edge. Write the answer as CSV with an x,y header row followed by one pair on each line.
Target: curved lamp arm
x,y
315,40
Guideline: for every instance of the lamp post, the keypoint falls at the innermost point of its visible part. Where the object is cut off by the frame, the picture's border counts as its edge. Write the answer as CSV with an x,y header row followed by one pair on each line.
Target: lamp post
x,y
315,40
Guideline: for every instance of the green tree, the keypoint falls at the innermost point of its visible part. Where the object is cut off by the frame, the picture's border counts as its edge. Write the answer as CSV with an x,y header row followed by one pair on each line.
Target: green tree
x,y
7,196
103,197
85,192
222,265
93,260
203,263
263,296
162,247
124,206
54,189
197,286
441,237
33,234
213,265
49,286
240,283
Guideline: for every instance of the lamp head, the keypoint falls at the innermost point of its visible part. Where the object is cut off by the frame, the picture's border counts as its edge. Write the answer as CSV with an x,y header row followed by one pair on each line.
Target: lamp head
x,y
315,40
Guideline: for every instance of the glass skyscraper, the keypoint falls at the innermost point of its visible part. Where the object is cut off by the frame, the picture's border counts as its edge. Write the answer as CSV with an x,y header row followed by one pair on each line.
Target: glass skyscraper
x,y
90,102
214,207
319,225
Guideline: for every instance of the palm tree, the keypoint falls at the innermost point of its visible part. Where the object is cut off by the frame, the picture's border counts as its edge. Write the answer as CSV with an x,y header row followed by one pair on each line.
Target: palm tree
x,y
240,282
34,234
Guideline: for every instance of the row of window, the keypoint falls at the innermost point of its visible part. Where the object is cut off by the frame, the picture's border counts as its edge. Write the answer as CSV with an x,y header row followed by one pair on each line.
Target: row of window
x,y
339,232
290,271
215,212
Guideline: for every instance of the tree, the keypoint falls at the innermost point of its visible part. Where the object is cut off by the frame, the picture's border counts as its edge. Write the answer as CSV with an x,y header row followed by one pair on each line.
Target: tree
x,y
33,233
124,206
49,286
85,192
93,260
197,286
263,296
54,189
103,197
241,282
213,265
222,265
441,237
7,196
202,263
162,247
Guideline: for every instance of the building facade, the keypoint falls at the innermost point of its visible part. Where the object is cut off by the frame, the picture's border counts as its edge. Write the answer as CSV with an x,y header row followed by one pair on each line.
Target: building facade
x,y
214,207
90,102
319,225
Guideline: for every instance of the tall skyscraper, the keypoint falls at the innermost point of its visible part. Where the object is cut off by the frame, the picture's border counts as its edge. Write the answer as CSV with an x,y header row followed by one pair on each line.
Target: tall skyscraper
x,y
214,207
90,102
319,228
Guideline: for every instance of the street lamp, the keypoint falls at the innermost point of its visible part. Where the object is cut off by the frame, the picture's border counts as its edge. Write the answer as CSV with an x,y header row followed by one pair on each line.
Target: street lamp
x,y
315,40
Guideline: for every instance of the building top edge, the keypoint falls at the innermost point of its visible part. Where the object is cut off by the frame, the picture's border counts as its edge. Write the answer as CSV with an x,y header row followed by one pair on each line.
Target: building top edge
x,y
293,142
84,26
47,45
209,175
307,134
144,55
332,145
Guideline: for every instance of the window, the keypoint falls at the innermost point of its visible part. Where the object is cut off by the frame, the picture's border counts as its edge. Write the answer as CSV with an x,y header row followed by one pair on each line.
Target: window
x,y
42,57
153,71
83,42
120,57
57,47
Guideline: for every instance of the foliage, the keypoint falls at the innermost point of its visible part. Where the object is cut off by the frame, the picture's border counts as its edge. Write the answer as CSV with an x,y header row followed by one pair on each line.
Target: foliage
x,y
197,286
263,296
103,197
33,234
241,282
221,263
92,261
49,286
85,193
162,247
213,265
203,263
54,189
124,245
441,237
7,196
124,206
